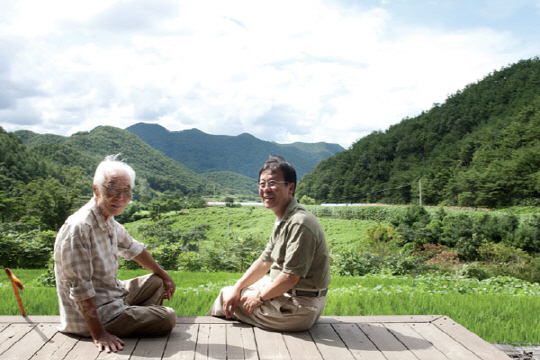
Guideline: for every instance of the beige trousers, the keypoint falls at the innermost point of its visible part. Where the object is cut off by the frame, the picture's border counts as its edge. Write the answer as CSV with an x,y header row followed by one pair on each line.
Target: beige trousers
x,y
145,314
283,313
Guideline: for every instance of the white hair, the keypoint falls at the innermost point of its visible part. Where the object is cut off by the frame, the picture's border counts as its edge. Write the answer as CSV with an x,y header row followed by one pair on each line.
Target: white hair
x,y
111,164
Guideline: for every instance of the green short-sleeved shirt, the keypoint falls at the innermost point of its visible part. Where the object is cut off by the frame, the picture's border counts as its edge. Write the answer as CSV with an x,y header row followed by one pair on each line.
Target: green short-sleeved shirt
x,y
298,246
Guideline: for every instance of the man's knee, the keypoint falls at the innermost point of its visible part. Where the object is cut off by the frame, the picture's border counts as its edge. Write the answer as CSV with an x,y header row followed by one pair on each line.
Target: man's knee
x,y
170,318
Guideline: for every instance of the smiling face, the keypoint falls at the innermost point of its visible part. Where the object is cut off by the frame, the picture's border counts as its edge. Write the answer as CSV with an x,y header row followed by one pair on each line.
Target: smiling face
x,y
113,204
276,198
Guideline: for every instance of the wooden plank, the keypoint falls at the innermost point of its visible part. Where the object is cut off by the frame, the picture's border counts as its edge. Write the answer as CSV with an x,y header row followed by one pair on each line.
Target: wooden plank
x,y
58,347
377,319
329,343
150,348
32,319
84,349
342,338
419,346
470,340
271,345
201,348
217,342
216,320
12,334
322,319
386,342
31,342
182,342
358,343
444,343
124,354
301,346
241,342
205,320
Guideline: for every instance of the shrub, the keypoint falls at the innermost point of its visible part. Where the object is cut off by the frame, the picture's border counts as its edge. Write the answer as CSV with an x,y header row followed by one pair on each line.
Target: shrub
x,y
353,264
383,240
191,261
527,235
474,271
24,247
167,255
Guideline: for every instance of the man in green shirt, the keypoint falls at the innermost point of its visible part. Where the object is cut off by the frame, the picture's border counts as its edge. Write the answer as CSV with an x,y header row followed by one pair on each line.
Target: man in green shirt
x,y
294,295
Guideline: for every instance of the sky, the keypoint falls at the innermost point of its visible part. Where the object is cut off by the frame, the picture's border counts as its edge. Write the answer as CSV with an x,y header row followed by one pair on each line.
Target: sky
x,y
281,70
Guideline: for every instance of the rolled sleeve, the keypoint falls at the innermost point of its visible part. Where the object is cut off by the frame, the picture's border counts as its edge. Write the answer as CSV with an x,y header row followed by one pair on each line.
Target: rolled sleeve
x,y
133,251
128,247
81,291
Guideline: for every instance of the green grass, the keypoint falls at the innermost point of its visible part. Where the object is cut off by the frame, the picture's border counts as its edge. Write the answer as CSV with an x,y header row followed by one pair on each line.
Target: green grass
x,y
498,310
257,221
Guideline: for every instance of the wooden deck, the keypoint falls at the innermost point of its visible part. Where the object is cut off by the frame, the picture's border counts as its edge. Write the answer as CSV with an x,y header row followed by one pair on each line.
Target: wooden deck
x,y
341,338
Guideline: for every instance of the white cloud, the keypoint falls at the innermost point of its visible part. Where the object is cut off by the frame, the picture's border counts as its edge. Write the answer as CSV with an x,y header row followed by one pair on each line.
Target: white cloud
x,y
282,71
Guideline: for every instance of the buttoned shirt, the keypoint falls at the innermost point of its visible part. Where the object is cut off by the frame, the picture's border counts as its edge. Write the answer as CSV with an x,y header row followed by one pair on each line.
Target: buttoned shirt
x,y
86,265
298,246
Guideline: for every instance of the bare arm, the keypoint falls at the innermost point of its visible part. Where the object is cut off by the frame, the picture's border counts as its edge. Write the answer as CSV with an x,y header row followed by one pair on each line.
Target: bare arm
x,y
256,271
102,339
283,283
147,261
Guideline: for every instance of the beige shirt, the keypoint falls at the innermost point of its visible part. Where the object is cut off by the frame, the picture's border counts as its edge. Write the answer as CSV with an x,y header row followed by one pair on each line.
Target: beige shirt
x,y
86,264
298,246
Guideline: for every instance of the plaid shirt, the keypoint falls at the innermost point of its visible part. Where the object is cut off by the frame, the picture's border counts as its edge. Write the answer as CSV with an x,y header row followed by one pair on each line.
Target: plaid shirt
x,y
86,264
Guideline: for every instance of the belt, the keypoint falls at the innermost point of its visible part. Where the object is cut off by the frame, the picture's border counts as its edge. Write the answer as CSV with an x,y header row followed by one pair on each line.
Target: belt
x,y
295,292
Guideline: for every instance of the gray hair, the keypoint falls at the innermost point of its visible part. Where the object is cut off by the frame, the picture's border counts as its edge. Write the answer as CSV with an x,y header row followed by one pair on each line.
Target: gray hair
x,y
110,164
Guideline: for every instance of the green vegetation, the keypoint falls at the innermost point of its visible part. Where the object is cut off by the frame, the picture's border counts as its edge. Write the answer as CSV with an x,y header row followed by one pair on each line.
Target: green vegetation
x,y
379,240
481,148
498,309
243,154
241,186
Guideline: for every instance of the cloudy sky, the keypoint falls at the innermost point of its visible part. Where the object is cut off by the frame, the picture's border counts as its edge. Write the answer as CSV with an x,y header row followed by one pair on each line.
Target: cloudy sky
x,y
282,70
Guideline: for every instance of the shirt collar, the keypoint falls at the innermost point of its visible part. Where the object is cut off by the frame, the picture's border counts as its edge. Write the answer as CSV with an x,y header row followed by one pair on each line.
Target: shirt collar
x,y
290,208
100,219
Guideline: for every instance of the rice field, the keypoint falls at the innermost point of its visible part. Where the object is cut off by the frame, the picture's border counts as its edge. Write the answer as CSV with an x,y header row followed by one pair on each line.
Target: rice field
x,y
498,309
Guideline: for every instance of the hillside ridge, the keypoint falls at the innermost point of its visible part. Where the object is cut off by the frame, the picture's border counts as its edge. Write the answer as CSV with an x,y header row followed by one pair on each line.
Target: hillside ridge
x,y
243,154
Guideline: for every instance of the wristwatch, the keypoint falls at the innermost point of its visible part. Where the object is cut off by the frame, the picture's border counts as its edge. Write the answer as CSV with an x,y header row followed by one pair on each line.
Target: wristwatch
x,y
259,298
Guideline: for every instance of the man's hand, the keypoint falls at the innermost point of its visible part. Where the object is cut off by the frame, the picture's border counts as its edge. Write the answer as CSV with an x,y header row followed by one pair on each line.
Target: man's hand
x,y
147,261
108,342
230,302
102,339
250,302
170,286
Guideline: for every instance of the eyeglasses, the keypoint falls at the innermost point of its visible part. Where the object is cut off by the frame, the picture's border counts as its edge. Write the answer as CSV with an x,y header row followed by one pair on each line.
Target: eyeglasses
x,y
272,184
115,192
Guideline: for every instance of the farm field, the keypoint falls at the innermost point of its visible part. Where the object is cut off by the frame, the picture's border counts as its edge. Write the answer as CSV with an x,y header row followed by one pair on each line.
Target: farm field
x,y
500,310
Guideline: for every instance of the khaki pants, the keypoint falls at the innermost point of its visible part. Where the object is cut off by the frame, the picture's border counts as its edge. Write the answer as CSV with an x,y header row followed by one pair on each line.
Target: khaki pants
x,y
283,313
144,315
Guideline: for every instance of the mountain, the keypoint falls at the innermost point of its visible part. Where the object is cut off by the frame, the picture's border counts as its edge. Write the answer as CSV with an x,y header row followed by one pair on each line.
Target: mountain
x,y
243,154
480,148
154,170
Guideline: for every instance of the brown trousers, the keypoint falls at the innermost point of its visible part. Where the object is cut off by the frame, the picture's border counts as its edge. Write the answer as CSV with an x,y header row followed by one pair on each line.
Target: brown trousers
x,y
145,314
283,313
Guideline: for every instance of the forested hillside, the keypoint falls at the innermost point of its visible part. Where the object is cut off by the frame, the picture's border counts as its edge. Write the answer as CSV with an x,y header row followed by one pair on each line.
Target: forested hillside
x,y
87,149
480,148
243,154
43,178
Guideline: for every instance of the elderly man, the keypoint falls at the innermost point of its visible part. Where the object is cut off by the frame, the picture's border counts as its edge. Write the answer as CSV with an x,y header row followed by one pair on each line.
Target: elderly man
x,y
294,295
93,302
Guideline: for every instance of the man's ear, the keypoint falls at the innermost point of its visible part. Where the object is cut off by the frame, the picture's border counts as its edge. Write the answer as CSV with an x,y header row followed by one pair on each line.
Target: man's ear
x,y
292,188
